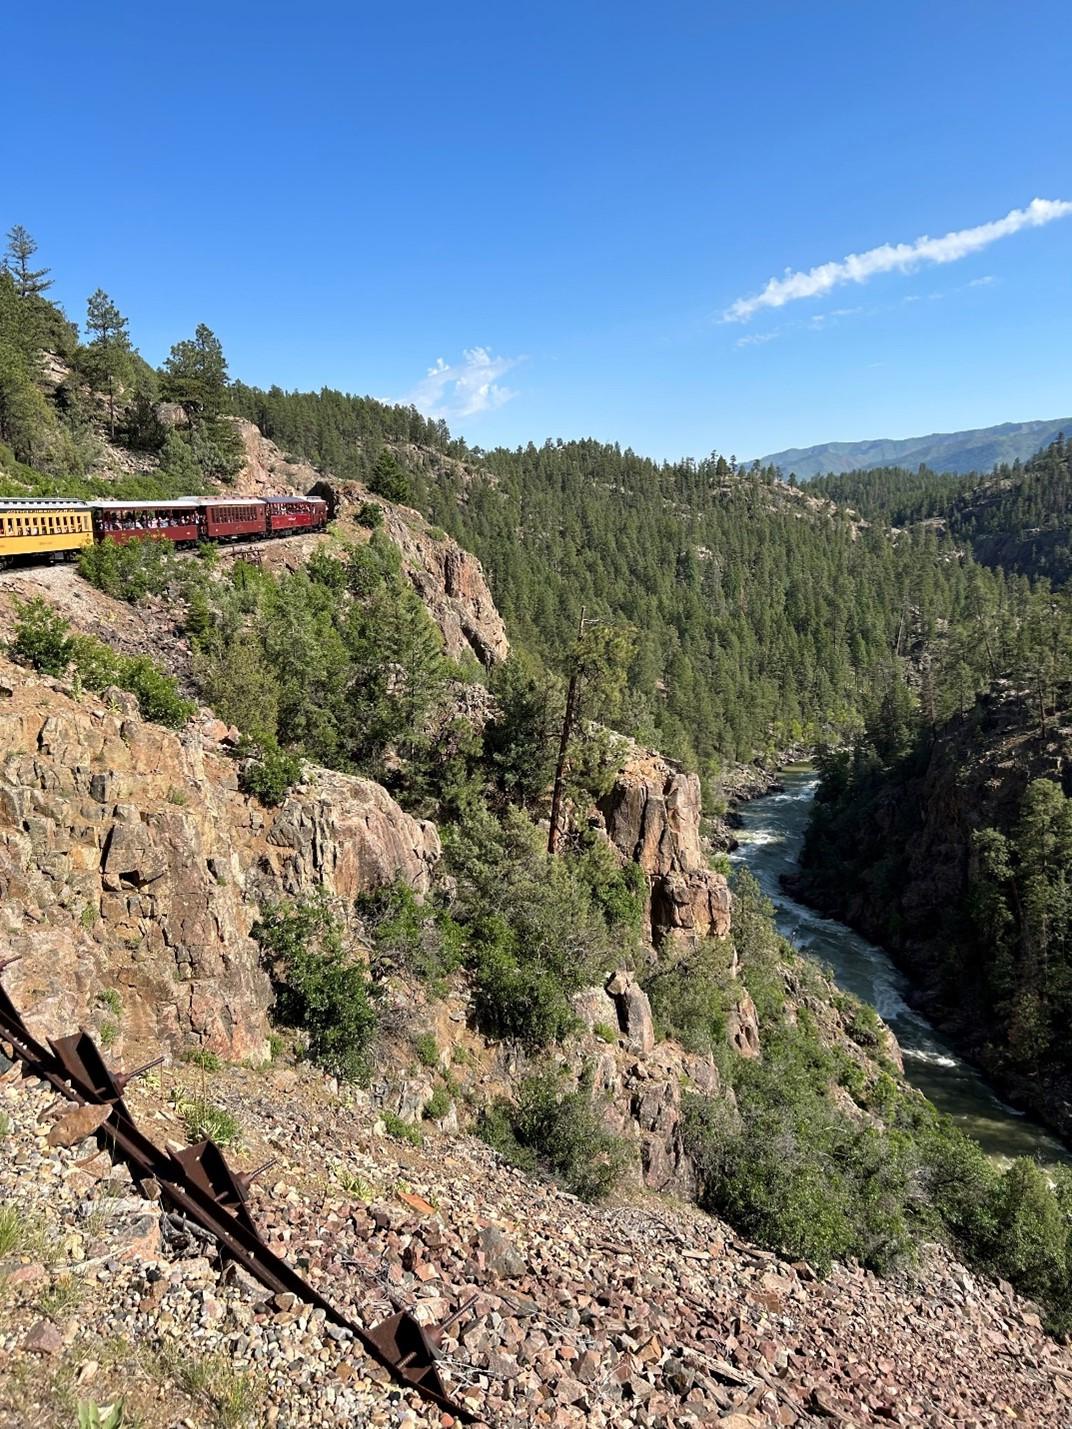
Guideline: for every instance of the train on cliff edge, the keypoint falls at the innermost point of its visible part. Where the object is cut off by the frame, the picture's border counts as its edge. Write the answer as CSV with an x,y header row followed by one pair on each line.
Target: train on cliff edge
x,y
56,529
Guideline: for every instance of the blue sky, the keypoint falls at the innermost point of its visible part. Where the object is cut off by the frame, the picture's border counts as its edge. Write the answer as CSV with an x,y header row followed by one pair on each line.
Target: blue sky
x,y
534,220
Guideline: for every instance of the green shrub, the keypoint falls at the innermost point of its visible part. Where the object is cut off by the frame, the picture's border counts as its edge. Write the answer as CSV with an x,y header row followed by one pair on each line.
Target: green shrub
x,y
320,988
558,1130
427,1049
158,695
203,1058
762,954
410,936
863,1025
369,514
270,773
205,1121
1031,1244
536,930
401,1130
691,995
109,997
437,1105
788,1168
128,570
42,637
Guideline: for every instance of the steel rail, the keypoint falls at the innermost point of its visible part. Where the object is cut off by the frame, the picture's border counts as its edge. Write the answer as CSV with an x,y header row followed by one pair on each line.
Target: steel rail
x,y
198,1183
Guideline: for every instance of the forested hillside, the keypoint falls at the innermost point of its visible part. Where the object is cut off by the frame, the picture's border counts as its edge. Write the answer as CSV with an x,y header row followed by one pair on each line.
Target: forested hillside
x,y
762,617
1019,518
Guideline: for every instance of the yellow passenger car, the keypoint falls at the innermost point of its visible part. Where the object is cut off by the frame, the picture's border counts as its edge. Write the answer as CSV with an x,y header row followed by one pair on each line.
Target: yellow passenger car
x,y
52,529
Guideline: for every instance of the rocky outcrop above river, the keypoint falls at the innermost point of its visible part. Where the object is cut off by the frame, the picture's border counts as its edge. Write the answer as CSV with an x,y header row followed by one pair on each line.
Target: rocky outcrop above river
x,y
652,815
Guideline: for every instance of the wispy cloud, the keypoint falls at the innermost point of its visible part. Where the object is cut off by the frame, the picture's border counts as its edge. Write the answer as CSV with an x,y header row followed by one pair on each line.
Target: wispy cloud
x,y
895,257
757,339
466,388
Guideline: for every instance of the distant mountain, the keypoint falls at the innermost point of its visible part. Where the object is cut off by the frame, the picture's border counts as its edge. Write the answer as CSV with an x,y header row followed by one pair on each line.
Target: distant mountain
x,y
979,450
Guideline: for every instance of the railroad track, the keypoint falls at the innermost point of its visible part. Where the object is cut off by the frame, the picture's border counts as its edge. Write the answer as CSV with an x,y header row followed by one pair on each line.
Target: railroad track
x,y
198,1183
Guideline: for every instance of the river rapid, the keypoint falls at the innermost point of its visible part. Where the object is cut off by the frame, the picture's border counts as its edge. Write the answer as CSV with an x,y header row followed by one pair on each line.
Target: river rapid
x,y
771,833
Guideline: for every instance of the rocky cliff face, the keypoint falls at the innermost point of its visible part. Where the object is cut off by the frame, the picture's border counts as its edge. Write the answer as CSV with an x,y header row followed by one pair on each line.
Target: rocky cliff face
x,y
131,866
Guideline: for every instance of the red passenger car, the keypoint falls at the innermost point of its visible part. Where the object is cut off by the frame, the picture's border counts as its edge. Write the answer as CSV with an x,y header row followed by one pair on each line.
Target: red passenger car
x,y
288,514
177,521
233,518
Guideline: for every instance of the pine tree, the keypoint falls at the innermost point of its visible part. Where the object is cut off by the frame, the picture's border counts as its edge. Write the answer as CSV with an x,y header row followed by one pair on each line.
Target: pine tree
x,y
107,358
29,282
195,375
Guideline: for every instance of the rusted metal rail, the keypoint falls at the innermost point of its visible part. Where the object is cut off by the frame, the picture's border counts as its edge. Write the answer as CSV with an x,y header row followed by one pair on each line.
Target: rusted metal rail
x,y
198,1183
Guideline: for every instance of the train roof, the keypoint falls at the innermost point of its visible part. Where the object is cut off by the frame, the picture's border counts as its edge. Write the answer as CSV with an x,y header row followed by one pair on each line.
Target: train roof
x,y
43,503
277,500
187,503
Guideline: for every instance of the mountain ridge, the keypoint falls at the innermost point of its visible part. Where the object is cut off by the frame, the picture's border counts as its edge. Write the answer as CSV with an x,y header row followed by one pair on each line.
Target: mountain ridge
x,y
974,449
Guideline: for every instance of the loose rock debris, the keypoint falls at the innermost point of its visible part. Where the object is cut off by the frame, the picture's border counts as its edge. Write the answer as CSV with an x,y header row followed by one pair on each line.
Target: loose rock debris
x,y
645,1313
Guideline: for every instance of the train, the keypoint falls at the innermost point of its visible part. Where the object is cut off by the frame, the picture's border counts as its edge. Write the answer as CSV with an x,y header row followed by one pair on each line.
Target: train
x,y
57,529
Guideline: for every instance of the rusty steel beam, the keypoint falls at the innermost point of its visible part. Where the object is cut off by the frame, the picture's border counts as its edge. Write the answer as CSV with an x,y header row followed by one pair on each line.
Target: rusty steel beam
x,y
198,1183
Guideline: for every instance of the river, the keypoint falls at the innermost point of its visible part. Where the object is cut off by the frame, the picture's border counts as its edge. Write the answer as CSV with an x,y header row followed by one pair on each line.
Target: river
x,y
771,833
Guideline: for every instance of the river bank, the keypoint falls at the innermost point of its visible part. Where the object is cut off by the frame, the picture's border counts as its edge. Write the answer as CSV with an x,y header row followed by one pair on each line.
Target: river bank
x,y
769,832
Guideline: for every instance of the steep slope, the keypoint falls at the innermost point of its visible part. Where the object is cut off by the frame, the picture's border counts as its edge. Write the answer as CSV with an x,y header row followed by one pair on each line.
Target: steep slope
x,y
639,1313
979,449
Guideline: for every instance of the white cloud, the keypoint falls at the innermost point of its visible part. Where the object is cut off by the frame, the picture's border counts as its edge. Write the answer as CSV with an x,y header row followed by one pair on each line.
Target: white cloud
x,y
466,388
895,257
756,339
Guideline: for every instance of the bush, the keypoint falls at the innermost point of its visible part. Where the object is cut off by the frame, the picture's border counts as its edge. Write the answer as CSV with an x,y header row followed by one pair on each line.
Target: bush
x,y
536,931
158,695
270,774
437,1105
319,986
560,1131
401,1130
427,1049
370,515
1031,1244
128,570
43,641
205,1121
762,954
691,996
791,1170
409,936
42,638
